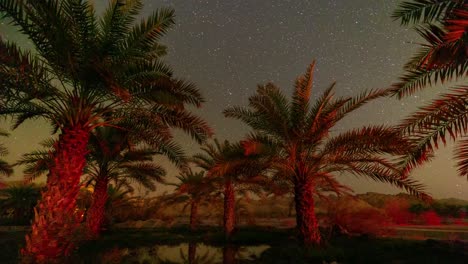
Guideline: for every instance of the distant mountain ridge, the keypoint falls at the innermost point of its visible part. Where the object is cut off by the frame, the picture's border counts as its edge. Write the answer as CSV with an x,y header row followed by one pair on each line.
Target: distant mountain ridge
x,y
379,199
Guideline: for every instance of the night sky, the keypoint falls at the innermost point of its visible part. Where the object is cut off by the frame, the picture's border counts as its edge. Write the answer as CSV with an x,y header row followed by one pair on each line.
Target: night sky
x,y
228,47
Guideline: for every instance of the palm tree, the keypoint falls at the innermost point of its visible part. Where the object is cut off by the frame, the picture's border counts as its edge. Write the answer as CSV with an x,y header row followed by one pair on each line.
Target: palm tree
x,y
87,72
21,199
442,58
297,134
5,168
193,189
115,156
227,165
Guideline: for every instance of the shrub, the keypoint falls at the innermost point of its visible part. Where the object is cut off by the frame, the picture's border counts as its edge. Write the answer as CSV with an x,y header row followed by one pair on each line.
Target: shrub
x,y
431,218
351,216
398,211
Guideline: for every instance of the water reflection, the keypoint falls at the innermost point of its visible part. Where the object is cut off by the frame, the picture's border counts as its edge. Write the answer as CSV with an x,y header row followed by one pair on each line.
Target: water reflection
x,y
190,253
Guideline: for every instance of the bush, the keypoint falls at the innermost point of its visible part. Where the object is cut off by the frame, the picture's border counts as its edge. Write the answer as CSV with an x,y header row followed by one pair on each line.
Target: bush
x,y
352,216
431,218
398,211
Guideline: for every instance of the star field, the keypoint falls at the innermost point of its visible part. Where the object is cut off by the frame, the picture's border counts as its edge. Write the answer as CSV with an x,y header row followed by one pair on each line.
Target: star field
x,y
228,47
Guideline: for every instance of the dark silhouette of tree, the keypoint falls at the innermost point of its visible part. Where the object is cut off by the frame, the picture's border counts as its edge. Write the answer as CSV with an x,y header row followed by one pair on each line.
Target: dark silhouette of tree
x,y
86,71
305,155
193,190
231,170
20,199
5,168
443,57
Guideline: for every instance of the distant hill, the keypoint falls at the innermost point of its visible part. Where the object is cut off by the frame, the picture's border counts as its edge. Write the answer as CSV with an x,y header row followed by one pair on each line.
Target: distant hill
x,y
453,201
379,199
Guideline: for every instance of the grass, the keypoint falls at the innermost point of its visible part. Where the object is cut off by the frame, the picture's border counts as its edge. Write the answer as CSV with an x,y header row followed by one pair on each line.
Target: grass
x,y
283,246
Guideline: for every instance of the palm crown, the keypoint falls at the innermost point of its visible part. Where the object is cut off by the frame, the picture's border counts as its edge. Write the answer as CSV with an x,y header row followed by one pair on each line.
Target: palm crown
x,y
117,156
90,71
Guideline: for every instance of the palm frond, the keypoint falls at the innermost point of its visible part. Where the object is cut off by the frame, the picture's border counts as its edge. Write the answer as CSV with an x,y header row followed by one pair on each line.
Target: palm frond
x,y
446,116
457,26
358,101
301,96
424,11
443,57
144,37
197,128
316,112
366,140
461,155
36,164
417,79
116,23
385,175
247,116
272,108
5,168
145,173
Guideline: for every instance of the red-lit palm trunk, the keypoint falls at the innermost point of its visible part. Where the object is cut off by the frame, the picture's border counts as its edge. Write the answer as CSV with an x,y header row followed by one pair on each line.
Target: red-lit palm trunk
x,y
56,219
306,220
193,215
229,208
96,212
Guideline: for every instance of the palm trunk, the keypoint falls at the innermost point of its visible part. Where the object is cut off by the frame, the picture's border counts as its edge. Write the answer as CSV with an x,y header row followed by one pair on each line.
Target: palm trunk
x,y
192,253
229,209
56,219
193,215
95,215
306,220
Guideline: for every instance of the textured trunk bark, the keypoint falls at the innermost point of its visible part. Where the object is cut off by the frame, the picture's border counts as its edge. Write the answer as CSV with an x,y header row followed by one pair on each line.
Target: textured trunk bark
x,y
95,214
193,215
56,219
229,208
192,253
306,221
229,254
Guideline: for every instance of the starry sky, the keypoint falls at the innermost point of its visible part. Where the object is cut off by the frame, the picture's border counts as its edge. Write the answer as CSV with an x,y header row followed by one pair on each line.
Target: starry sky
x,y
227,47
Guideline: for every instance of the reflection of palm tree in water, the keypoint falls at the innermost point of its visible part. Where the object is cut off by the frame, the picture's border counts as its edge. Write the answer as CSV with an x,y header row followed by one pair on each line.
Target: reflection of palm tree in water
x,y
192,252
193,258
229,254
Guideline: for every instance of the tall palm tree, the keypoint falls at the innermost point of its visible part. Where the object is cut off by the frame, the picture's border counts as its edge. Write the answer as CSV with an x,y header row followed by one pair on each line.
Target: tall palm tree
x,y
86,72
227,165
443,57
193,189
298,135
5,168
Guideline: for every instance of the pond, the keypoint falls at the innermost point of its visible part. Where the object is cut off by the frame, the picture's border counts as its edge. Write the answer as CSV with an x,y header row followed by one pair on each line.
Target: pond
x,y
168,246
191,253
